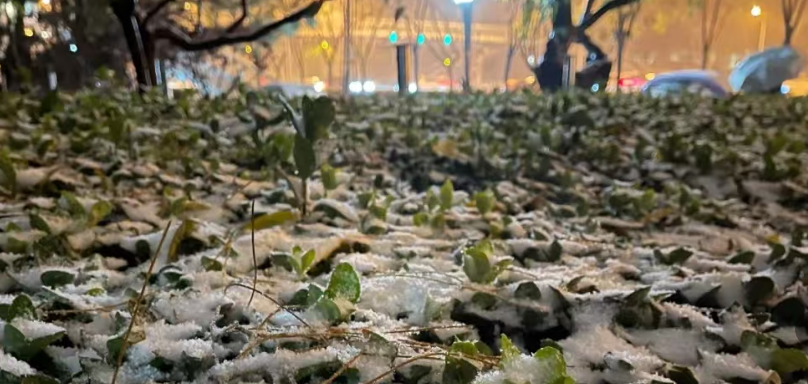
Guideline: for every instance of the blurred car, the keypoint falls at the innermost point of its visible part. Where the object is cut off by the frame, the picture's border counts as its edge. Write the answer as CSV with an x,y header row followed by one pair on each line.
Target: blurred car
x,y
702,83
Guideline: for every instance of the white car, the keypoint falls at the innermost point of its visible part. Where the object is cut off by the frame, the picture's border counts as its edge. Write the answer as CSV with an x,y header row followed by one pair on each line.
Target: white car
x,y
702,83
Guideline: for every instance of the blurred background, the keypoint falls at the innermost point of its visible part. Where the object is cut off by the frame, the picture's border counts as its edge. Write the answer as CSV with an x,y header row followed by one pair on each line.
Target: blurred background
x,y
66,42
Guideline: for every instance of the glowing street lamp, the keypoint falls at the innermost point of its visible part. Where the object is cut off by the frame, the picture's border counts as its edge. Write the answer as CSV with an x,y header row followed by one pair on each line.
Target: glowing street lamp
x,y
466,6
756,11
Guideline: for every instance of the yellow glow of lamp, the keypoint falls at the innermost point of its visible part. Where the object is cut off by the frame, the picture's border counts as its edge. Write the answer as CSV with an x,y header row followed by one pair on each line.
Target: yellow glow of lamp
x,y
447,62
650,76
756,11
187,6
324,44
28,32
248,49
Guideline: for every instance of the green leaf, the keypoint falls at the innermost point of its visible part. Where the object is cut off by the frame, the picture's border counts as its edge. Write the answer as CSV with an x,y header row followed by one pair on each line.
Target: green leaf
x,y
554,360
420,219
56,278
497,270
183,232
458,370
787,361
464,347
527,291
329,177
745,257
305,159
677,256
682,375
446,195
318,114
485,301
38,379
15,343
20,307
16,246
37,222
344,284
476,266
509,351
306,261
758,289
334,310
431,200
211,264
270,220
73,206
98,212
554,253
8,175
484,201
328,309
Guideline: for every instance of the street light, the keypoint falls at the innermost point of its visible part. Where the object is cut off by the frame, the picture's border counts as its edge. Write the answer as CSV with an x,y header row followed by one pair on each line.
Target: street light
x,y
757,12
465,6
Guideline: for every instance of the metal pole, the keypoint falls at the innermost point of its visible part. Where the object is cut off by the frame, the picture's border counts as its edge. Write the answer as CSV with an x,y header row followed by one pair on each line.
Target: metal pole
x,y
415,64
467,44
346,60
401,60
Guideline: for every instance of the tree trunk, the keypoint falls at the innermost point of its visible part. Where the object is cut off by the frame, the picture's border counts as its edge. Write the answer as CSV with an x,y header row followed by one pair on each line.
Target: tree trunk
x,y
550,73
124,11
705,55
331,72
508,63
789,34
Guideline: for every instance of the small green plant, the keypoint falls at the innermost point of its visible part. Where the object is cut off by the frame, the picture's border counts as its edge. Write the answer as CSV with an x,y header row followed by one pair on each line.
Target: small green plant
x,y
298,261
336,303
436,207
485,201
328,174
477,263
311,126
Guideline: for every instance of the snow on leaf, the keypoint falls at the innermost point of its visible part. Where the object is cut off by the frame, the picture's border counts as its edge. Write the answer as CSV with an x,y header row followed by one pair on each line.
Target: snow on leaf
x,y
344,284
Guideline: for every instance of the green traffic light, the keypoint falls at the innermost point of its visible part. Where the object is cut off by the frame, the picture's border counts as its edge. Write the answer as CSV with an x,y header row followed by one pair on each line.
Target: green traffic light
x,y
447,40
393,37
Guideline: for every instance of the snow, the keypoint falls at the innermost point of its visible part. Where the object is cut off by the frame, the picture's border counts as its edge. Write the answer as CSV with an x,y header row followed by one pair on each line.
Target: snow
x,y
393,296
278,365
34,329
174,349
734,323
722,367
521,369
13,366
696,318
197,307
676,345
160,330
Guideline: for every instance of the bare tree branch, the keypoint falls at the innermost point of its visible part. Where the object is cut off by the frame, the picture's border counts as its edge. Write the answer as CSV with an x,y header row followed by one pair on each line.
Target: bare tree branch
x,y
587,10
183,41
602,11
236,24
155,10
